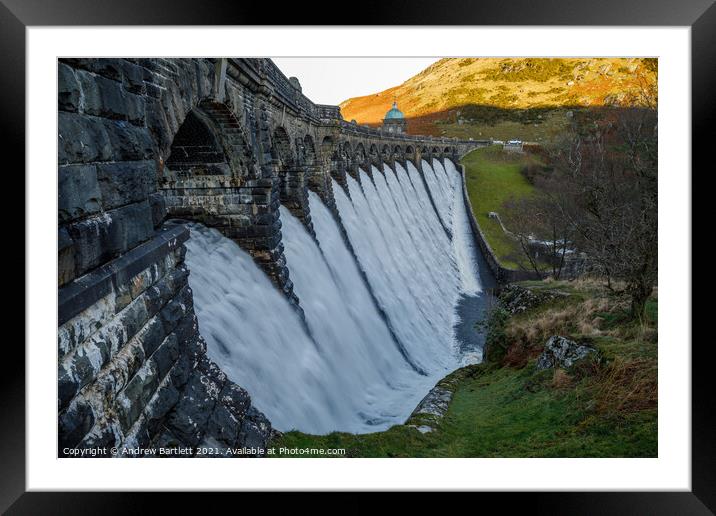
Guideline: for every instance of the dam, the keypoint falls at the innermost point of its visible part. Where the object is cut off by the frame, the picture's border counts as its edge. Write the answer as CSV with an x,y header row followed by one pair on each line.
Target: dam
x,y
373,343
235,260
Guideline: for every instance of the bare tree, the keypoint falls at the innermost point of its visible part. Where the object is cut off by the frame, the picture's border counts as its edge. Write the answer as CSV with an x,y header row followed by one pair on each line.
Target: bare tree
x,y
541,230
609,179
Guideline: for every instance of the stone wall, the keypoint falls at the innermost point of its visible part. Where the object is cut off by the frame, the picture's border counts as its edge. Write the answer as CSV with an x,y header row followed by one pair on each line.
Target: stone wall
x,y
502,274
143,142
132,365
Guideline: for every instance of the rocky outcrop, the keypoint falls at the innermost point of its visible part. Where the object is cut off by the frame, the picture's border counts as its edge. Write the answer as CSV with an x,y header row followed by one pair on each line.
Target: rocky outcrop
x,y
434,405
517,299
563,353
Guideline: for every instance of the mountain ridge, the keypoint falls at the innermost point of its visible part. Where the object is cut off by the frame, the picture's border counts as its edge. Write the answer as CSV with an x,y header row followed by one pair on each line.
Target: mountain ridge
x,y
442,91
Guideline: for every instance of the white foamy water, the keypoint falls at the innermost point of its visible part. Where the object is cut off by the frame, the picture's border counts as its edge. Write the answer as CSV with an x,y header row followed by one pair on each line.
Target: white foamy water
x,y
380,316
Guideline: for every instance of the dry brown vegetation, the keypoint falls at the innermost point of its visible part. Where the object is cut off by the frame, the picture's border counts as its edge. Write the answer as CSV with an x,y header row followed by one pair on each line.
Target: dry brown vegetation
x,y
622,378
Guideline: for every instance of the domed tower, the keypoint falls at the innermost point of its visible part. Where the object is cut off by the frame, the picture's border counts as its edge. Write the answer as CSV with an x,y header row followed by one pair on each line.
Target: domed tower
x,y
394,121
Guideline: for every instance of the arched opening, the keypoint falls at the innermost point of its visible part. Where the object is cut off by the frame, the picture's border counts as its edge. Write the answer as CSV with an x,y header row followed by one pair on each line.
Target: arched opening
x,y
385,153
329,154
315,178
309,151
435,151
281,150
196,150
446,151
345,152
359,155
398,152
373,152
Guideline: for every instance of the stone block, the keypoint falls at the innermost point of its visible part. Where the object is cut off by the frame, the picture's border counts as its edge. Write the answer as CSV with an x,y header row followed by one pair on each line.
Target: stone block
x,y
188,421
134,317
166,354
125,182
128,142
158,206
103,435
74,423
133,78
163,400
78,193
223,425
102,237
152,335
68,89
131,225
82,139
137,393
235,399
255,430
65,257
107,98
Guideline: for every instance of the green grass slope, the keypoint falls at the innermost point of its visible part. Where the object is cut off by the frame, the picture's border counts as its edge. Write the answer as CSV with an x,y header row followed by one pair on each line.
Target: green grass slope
x,y
493,176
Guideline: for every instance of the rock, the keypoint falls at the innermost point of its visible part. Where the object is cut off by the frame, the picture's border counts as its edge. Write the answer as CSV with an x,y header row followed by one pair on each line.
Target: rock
x,y
125,182
516,299
435,403
562,352
78,192
68,90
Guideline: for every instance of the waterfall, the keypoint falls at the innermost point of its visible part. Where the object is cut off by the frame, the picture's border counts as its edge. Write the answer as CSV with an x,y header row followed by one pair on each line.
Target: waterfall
x,y
381,286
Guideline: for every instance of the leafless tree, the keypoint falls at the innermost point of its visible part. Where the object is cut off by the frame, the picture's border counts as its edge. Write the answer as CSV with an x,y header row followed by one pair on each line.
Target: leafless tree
x,y
541,230
608,179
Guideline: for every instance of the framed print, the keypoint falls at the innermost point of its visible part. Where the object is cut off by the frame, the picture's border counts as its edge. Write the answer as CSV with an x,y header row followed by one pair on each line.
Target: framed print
x,y
384,256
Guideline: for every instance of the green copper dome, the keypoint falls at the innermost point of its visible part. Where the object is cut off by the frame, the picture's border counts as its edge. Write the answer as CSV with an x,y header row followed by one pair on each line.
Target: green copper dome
x,y
394,113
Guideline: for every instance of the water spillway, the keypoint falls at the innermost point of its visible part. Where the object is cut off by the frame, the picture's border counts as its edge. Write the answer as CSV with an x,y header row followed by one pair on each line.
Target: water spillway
x,y
384,287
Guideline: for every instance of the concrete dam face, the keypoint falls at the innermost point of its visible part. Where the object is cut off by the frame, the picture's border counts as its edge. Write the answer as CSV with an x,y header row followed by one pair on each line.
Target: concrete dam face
x,y
234,259
378,283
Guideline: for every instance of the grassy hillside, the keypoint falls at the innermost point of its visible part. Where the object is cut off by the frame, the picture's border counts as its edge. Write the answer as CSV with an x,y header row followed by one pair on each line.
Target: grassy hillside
x,y
492,177
504,98
601,407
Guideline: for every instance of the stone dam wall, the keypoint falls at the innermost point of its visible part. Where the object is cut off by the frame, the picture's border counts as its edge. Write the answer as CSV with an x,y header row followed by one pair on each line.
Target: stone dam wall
x,y
142,143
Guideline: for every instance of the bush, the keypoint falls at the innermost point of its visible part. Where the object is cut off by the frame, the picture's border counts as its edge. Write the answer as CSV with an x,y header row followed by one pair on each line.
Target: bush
x,y
495,338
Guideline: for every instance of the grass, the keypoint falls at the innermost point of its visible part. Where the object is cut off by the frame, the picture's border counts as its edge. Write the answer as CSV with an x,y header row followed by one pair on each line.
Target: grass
x,y
548,128
492,177
601,407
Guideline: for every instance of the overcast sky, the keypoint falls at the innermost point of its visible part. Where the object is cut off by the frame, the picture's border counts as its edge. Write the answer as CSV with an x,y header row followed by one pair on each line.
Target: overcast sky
x,y
330,80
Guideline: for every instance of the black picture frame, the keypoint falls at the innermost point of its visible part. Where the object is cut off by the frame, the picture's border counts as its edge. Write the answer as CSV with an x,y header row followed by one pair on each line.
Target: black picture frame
x,y
17,15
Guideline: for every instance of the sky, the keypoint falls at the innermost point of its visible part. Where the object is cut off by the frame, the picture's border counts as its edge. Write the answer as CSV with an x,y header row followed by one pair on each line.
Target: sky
x,y
331,80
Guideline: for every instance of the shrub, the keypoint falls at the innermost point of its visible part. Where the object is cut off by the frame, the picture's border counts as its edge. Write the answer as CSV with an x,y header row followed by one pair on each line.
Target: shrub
x,y
495,338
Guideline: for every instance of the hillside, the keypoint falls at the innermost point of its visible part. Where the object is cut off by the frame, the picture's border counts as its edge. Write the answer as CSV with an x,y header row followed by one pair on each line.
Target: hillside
x,y
467,96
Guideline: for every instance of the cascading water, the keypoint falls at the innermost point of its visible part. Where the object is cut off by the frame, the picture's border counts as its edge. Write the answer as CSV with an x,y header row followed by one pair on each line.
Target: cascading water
x,y
383,287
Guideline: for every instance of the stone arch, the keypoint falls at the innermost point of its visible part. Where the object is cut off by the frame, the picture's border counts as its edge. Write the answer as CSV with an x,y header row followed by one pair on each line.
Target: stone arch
x,y
345,151
385,152
208,143
196,149
373,153
290,167
282,151
314,165
359,155
309,156
398,153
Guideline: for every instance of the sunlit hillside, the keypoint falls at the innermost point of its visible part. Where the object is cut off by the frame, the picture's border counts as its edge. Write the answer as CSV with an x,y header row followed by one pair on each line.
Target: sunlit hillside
x,y
456,96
